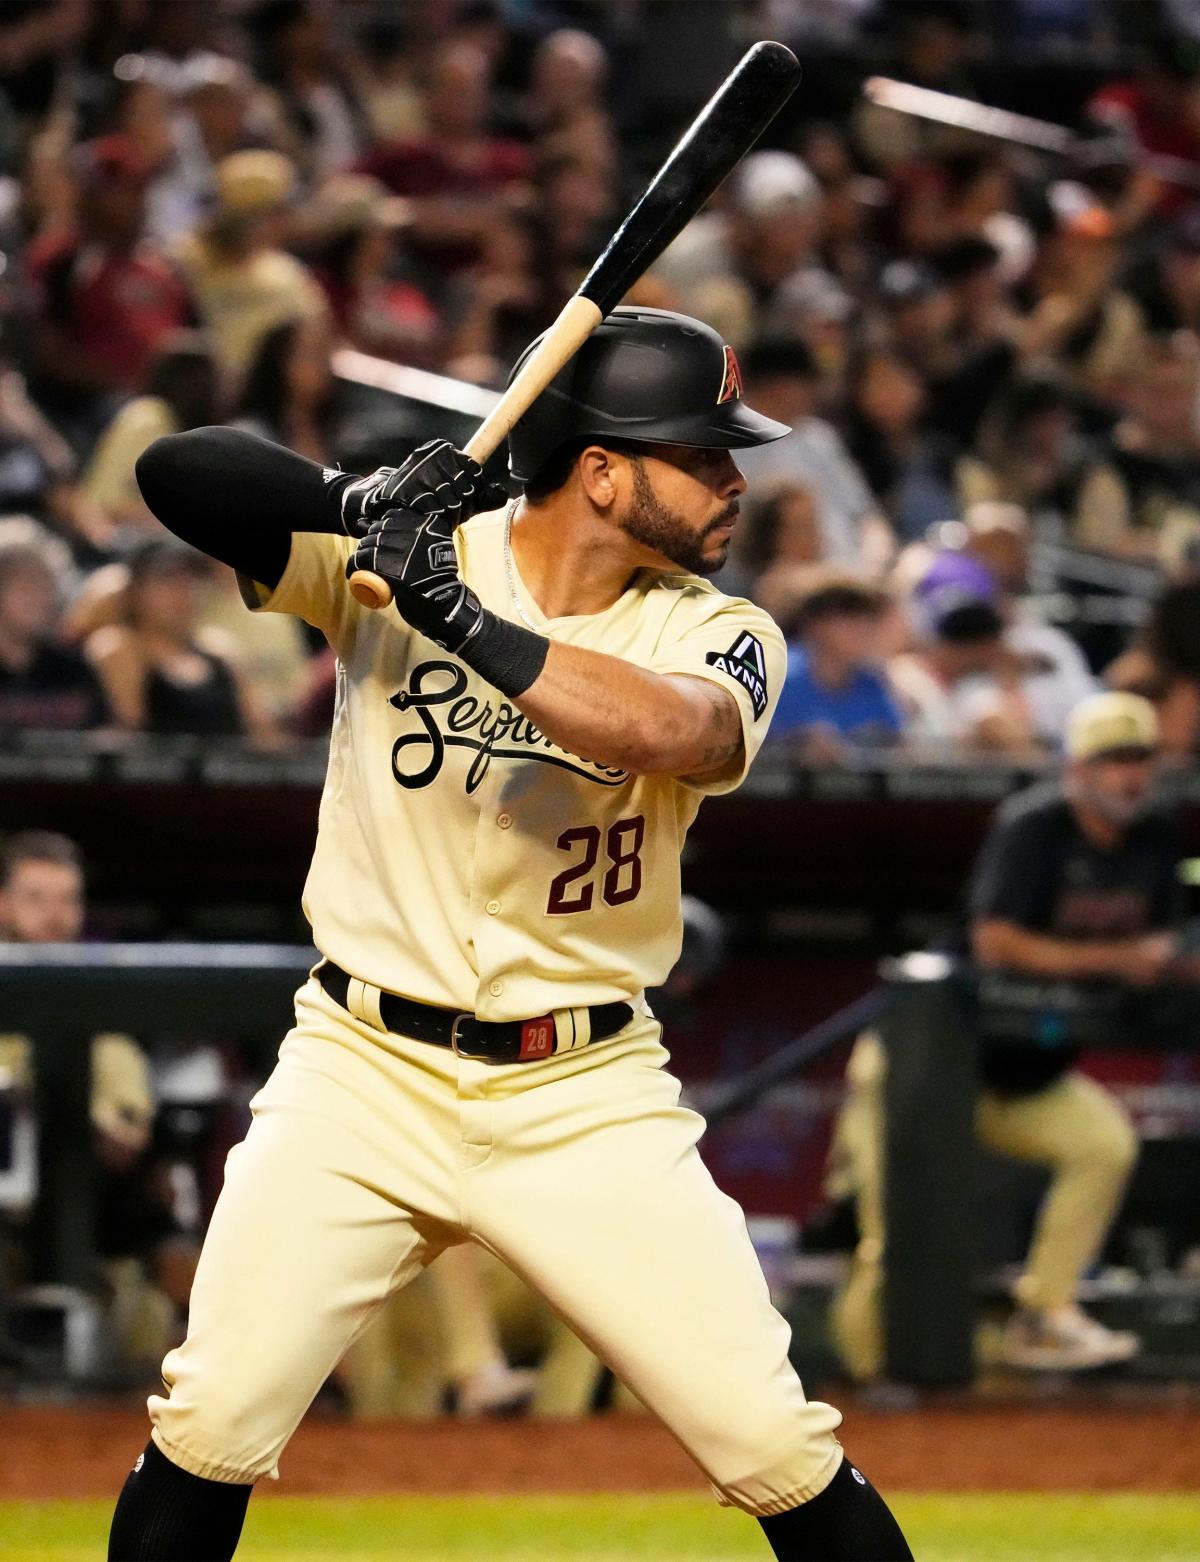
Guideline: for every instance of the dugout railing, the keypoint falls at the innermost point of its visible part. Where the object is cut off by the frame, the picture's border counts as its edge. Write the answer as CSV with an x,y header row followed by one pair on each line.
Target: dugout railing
x,y
928,1011
60,996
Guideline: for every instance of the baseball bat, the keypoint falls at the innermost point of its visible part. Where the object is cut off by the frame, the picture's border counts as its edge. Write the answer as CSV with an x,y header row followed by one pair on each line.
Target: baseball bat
x,y
721,134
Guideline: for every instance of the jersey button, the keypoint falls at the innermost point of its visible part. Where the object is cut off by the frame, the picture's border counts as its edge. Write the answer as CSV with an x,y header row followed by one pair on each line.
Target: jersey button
x,y
496,988
492,907
504,820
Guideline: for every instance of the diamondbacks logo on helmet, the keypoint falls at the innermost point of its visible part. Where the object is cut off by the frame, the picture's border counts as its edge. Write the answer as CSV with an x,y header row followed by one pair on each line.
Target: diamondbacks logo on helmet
x,y
731,380
745,662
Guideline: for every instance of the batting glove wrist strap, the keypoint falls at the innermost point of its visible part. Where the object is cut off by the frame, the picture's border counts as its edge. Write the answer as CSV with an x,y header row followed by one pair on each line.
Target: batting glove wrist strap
x,y
436,479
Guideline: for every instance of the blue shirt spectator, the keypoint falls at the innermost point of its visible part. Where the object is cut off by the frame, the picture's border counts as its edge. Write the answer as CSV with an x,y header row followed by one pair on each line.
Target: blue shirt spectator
x,y
835,696
861,709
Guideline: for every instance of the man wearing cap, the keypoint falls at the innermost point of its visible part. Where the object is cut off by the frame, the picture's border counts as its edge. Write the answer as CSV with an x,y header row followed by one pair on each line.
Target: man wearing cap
x,y
244,281
1077,881
519,747
956,683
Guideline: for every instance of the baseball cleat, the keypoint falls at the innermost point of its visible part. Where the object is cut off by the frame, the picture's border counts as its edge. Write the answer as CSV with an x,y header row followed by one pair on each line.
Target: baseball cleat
x,y
495,1390
1064,1340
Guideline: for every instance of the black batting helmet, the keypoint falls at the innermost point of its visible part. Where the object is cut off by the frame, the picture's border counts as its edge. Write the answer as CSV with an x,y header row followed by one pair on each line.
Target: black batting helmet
x,y
649,375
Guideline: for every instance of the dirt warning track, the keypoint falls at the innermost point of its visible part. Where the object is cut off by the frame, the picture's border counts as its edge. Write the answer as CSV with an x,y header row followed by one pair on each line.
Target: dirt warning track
x,y
53,1452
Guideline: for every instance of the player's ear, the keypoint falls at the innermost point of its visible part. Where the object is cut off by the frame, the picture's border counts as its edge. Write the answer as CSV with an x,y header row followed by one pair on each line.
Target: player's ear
x,y
599,473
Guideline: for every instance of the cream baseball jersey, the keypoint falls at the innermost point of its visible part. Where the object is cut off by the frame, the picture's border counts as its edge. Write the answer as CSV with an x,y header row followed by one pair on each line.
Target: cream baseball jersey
x,y
462,858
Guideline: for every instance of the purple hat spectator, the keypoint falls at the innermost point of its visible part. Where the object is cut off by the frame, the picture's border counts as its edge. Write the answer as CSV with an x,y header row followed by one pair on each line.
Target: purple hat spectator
x,y
957,599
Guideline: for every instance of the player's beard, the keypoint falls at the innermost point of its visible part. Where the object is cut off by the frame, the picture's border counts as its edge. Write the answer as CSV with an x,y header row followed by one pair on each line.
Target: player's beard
x,y
655,525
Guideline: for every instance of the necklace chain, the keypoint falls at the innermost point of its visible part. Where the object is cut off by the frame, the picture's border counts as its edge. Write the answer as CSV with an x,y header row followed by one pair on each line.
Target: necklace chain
x,y
510,573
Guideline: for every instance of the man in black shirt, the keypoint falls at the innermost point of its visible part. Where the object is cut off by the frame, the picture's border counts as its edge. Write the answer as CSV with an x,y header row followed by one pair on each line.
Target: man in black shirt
x,y
1076,881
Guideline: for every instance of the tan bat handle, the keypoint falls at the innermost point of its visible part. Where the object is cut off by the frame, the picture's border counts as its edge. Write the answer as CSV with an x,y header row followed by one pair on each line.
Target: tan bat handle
x,y
576,322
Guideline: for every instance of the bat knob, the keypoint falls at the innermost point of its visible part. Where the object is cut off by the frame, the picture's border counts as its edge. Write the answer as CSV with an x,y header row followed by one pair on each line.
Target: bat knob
x,y
370,589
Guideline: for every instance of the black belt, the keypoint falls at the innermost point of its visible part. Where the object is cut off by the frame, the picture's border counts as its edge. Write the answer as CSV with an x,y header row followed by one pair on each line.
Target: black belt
x,y
493,1041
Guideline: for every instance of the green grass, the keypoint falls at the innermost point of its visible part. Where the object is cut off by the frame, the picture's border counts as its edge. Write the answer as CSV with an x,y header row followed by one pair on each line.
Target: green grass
x,y
970,1528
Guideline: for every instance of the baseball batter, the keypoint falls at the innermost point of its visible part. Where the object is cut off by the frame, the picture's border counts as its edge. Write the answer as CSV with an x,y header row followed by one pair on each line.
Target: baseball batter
x,y
518,749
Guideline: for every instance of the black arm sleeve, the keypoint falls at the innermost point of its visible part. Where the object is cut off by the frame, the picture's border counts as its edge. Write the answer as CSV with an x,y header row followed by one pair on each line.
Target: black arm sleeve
x,y
239,498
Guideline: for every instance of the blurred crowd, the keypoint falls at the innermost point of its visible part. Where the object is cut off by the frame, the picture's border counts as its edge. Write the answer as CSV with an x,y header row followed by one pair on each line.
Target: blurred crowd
x,y
988,358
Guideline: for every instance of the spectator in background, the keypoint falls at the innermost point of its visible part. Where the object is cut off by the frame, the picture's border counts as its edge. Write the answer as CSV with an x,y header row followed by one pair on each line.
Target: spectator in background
x,y
567,115
729,265
316,98
574,210
105,299
1075,314
1029,452
1166,283
781,378
349,233
1142,498
159,671
148,1261
957,685
288,396
38,470
391,98
1054,677
215,111
43,683
836,698
938,320
502,301
1077,881
847,202
1156,111
181,393
916,314
1163,665
456,172
780,530
980,346
982,202
140,113
908,468
244,281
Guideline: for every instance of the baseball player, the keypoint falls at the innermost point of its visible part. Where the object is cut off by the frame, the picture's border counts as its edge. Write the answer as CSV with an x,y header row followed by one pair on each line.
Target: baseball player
x,y
518,749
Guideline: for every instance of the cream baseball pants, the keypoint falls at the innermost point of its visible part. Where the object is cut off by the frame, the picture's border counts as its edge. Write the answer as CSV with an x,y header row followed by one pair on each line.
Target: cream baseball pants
x,y
370,1153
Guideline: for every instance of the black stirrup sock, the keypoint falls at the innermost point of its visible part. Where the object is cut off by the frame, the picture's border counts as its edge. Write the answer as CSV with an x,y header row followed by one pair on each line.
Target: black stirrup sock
x,y
848,1522
165,1514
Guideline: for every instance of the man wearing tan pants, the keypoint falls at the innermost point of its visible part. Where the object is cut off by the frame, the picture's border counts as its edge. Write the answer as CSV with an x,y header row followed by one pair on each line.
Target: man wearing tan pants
x,y
494,887
1076,881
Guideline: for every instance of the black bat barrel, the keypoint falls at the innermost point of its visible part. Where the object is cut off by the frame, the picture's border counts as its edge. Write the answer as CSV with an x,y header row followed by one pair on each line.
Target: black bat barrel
x,y
725,130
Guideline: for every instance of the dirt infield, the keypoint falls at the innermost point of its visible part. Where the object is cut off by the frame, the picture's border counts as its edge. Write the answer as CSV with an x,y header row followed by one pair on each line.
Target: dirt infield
x,y
85,1452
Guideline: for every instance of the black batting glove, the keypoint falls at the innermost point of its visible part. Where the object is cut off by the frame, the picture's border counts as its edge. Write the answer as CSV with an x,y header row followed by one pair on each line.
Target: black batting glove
x,y
436,479
415,555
